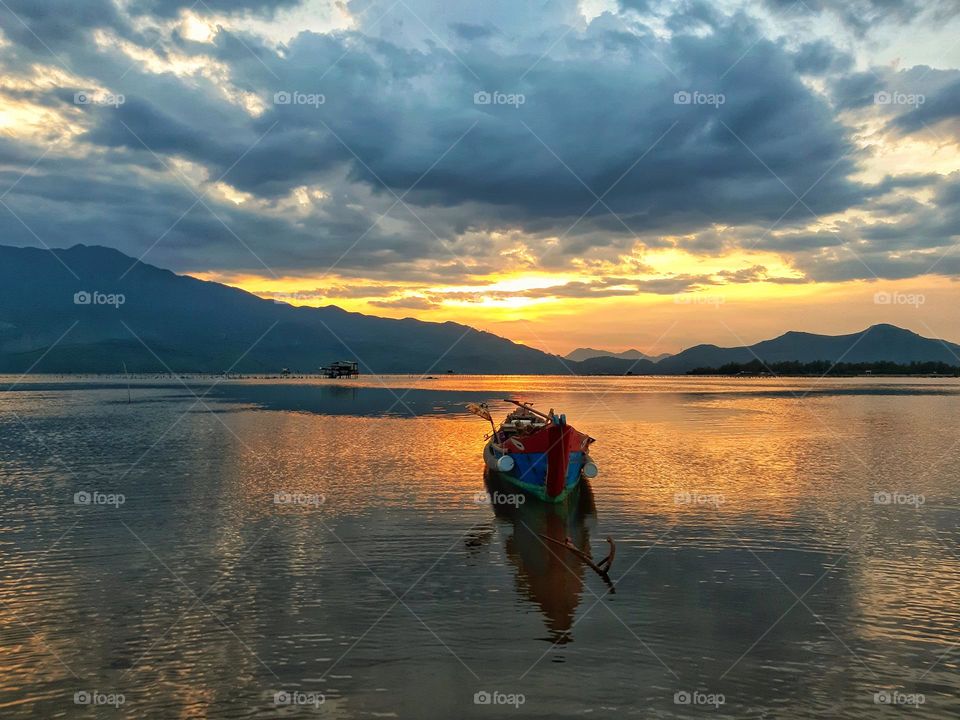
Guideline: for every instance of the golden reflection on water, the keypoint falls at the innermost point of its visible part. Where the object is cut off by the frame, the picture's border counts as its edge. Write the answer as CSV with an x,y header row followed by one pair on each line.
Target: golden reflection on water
x,y
353,461
711,476
360,464
738,445
729,461
547,574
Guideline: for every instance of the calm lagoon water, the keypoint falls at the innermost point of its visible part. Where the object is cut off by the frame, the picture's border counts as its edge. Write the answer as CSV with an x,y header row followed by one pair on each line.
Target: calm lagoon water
x,y
785,549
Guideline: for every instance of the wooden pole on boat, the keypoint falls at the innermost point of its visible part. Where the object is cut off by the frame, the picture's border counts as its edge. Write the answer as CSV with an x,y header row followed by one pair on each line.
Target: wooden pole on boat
x,y
482,411
527,406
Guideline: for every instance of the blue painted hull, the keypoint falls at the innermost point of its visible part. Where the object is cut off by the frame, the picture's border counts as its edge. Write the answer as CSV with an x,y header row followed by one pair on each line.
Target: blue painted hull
x,y
530,472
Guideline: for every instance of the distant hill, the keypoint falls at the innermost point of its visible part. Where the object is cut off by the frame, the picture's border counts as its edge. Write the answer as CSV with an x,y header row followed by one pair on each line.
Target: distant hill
x,y
612,366
193,325
52,321
878,343
581,354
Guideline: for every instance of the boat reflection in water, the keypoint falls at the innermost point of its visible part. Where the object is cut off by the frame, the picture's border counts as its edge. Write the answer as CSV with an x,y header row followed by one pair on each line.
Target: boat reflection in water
x,y
546,573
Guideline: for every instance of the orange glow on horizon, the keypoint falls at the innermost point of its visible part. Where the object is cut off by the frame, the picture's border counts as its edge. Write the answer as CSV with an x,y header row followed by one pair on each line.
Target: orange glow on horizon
x,y
725,314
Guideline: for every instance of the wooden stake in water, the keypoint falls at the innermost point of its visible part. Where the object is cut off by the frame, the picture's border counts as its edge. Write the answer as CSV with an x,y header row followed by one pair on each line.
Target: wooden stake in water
x,y
129,400
602,568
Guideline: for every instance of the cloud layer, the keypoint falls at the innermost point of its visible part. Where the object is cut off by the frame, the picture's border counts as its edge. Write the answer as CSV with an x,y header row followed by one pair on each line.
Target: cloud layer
x,y
424,142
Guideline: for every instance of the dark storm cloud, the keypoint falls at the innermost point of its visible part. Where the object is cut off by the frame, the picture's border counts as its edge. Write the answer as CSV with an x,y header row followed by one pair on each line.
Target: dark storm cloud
x,y
599,117
46,24
914,100
59,28
695,15
943,104
863,15
170,8
640,6
138,122
821,57
907,181
856,90
897,206
390,113
917,238
846,264
469,31
796,242
97,200
928,226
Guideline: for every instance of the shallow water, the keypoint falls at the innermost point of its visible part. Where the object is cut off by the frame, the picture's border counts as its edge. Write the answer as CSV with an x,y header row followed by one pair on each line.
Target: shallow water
x,y
785,549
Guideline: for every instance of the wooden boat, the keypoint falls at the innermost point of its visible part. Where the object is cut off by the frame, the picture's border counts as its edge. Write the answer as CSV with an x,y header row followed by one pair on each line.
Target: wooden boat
x,y
538,453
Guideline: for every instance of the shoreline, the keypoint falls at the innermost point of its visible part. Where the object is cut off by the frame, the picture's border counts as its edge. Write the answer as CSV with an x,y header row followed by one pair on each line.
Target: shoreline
x,y
190,375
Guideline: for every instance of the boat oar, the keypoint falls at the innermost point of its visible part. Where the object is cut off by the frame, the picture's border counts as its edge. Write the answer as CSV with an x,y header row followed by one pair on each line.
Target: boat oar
x,y
602,568
482,412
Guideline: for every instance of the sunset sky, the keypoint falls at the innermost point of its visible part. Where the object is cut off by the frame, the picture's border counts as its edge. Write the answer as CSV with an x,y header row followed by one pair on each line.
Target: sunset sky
x,y
606,173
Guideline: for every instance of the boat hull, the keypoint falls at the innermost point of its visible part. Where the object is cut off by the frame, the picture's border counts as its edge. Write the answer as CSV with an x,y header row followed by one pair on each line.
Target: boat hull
x,y
530,471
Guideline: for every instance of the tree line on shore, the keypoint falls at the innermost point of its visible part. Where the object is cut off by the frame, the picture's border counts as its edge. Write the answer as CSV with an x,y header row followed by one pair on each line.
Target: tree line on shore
x,y
825,367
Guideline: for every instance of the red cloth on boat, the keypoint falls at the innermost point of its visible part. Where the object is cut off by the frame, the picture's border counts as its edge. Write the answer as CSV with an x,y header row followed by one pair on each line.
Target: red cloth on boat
x,y
558,458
